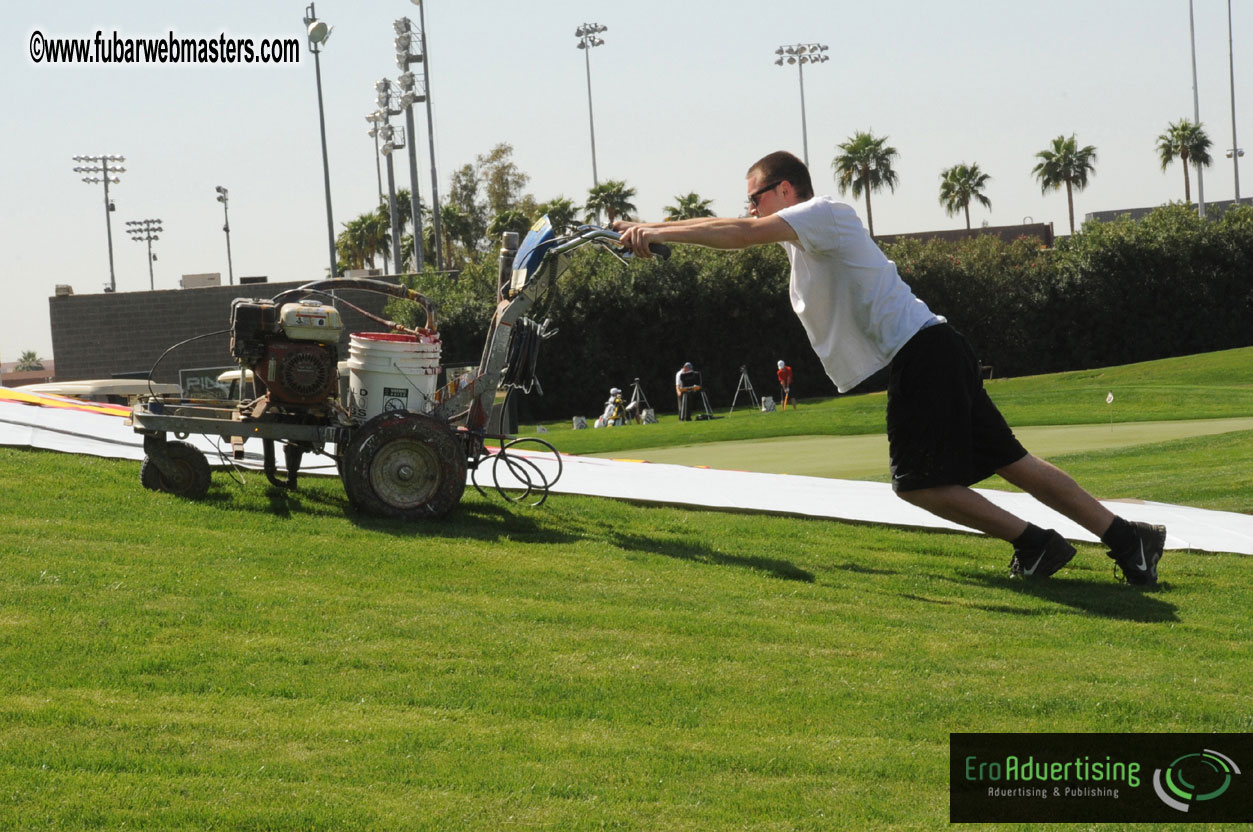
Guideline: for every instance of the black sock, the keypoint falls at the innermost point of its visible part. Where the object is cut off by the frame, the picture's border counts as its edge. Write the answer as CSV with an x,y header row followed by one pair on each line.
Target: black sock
x,y
1033,538
1120,536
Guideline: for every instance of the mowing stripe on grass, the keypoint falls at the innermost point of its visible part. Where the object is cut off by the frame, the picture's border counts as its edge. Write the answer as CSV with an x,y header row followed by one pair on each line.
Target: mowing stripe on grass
x,y
866,456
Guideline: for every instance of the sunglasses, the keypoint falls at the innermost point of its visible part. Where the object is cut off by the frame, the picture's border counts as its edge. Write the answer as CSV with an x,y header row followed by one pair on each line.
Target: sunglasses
x,y
756,195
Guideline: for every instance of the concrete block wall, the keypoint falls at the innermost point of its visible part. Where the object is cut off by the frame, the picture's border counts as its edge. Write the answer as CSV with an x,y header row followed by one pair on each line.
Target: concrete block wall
x,y
103,335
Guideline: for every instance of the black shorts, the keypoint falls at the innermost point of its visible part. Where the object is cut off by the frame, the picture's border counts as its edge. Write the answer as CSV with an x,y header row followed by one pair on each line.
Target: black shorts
x,y
943,429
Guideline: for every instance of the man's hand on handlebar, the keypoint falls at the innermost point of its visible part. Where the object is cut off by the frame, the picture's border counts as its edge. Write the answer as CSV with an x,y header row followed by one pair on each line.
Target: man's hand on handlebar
x,y
637,239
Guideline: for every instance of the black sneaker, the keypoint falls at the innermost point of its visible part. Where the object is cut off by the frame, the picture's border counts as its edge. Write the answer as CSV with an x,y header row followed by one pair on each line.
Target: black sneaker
x,y
1043,562
1139,564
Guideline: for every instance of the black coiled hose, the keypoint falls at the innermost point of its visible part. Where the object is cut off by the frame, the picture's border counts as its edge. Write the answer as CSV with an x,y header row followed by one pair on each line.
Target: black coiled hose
x,y
523,355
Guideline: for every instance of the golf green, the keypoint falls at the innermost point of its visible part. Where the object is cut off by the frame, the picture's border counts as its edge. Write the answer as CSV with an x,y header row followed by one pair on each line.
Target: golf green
x,y
866,456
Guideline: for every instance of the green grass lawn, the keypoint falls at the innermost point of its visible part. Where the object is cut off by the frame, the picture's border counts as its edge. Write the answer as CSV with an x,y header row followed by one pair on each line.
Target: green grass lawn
x,y
1210,386
262,660
865,456
267,660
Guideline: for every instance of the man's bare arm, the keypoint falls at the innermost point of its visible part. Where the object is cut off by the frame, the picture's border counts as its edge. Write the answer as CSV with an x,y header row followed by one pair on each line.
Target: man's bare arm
x,y
714,232
623,225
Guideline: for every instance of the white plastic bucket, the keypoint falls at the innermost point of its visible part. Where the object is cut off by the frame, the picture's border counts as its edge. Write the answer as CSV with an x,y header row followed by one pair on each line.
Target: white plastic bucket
x,y
391,371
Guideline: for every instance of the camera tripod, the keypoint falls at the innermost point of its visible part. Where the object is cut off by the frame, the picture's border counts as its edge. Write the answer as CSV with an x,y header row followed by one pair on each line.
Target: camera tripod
x,y
745,385
639,406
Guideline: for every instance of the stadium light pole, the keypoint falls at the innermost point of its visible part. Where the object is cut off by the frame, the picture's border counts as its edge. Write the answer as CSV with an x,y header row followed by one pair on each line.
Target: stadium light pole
x,y
1196,114
318,32
100,165
430,132
374,119
146,231
224,197
1235,152
391,141
801,54
588,35
409,95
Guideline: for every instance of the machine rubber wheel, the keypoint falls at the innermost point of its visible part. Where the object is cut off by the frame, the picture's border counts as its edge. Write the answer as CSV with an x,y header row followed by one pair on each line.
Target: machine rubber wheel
x,y
404,464
193,476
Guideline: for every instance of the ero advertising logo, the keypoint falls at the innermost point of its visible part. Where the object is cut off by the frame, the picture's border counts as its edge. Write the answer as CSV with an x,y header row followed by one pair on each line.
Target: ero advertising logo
x,y
1072,778
1195,778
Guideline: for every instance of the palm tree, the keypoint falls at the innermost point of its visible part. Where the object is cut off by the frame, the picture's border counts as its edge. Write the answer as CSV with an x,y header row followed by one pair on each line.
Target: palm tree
x,y
865,165
511,219
960,184
1187,142
404,208
363,237
560,212
612,197
28,361
689,206
458,227
349,247
1065,163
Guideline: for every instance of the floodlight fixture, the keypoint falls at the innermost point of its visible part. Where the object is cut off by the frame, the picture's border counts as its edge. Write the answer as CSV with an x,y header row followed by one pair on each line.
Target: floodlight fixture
x,y
318,33
411,49
390,142
588,40
146,231
408,38
799,54
103,169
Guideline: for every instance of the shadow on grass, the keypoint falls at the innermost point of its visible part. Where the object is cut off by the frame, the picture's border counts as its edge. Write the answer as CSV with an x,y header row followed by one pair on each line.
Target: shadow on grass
x,y
698,553
471,520
999,608
280,502
866,570
1105,600
486,522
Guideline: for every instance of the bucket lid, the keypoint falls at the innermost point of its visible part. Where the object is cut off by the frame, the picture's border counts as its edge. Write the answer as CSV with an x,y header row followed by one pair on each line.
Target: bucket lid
x,y
423,336
400,337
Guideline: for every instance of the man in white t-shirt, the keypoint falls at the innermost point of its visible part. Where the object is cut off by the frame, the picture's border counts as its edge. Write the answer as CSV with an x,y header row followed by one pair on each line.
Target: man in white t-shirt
x,y
944,432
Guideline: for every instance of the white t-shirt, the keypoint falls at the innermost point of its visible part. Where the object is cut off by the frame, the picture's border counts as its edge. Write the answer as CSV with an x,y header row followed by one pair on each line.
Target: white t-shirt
x,y
855,308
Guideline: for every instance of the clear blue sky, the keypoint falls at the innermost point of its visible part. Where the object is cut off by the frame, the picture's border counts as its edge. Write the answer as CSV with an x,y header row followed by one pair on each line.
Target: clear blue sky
x,y
686,96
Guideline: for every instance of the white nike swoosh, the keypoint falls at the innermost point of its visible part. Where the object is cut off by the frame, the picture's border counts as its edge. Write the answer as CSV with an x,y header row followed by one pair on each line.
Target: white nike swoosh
x,y
1144,565
1035,565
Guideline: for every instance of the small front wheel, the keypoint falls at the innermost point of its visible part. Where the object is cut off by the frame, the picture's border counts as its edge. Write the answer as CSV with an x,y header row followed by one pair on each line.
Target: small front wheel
x,y
191,475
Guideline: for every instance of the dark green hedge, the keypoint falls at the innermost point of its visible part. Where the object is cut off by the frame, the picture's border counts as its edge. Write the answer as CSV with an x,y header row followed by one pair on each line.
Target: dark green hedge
x,y
1115,293
1170,284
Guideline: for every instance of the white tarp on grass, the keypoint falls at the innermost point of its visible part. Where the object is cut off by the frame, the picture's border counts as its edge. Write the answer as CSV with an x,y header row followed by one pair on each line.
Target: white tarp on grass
x,y
873,502
60,428
101,430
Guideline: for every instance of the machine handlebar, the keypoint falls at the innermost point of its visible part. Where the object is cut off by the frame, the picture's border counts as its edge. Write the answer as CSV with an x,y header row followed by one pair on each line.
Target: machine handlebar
x,y
585,234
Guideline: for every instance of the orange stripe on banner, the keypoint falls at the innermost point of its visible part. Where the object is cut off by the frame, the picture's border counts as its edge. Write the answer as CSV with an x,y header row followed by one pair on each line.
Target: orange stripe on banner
x,y
39,400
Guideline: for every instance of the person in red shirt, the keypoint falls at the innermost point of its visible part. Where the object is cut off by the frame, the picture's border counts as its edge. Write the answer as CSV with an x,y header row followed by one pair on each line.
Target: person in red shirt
x,y
785,383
